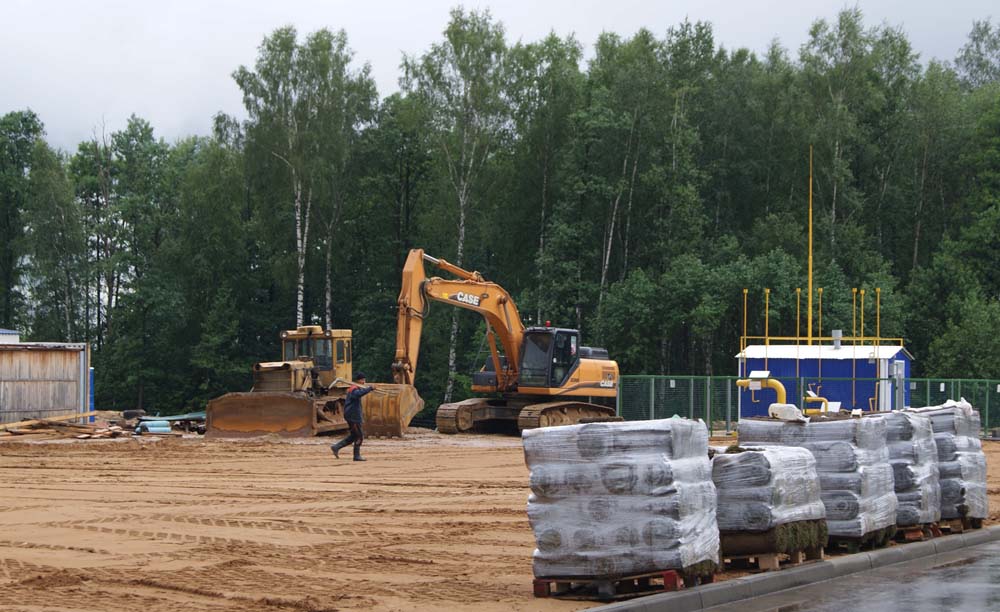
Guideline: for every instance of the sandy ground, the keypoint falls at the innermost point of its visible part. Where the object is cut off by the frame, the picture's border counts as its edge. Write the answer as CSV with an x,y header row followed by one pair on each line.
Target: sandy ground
x,y
428,523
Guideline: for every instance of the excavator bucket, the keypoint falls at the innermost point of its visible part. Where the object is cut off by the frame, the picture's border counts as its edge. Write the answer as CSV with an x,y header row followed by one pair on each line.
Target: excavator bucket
x,y
293,415
389,410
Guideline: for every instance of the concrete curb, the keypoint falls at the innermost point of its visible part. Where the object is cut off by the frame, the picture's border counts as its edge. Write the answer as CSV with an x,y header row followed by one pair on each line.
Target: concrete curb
x,y
699,598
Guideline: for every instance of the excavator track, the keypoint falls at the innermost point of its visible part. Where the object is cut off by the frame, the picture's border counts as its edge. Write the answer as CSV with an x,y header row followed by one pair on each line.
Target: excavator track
x,y
464,416
461,417
551,414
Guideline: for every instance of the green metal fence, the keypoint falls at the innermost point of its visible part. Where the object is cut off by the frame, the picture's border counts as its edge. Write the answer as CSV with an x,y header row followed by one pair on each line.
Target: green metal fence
x,y
715,399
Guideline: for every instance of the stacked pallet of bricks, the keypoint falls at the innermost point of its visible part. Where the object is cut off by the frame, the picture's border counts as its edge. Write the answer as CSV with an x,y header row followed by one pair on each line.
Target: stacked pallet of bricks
x,y
913,455
769,505
961,462
617,499
852,459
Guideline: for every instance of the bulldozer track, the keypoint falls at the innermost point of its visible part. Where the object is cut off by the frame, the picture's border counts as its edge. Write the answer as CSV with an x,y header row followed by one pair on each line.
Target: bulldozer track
x,y
551,414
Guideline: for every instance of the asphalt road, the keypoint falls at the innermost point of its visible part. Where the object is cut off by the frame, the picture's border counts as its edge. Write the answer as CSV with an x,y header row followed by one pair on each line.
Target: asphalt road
x,y
967,580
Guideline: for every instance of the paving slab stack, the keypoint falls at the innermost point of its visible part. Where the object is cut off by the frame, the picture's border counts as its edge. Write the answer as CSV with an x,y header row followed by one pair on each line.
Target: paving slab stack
x,y
961,462
913,455
852,459
614,499
760,489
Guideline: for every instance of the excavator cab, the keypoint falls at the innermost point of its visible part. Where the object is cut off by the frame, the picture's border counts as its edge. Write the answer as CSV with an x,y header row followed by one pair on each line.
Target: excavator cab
x,y
549,356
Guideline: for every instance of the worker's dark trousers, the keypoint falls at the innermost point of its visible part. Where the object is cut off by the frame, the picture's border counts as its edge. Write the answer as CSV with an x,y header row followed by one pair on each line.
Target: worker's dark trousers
x,y
356,435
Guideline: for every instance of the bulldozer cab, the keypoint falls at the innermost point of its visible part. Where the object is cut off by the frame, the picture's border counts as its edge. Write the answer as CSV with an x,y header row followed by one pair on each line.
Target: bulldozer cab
x,y
329,351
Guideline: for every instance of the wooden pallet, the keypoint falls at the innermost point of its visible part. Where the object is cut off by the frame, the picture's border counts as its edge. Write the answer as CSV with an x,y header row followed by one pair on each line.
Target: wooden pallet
x,y
768,562
960,525
615,588
871,540
917,533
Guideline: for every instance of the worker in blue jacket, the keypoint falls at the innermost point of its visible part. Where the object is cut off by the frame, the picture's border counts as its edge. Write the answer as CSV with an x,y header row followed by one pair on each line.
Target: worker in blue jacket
x,y
354,417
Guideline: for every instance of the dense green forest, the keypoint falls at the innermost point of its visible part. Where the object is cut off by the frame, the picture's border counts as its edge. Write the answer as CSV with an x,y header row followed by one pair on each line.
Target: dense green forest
x,y
633,195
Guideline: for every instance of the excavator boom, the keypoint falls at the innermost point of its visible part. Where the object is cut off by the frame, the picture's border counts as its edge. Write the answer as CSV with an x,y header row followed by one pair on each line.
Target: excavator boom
x,y
471,292
556,389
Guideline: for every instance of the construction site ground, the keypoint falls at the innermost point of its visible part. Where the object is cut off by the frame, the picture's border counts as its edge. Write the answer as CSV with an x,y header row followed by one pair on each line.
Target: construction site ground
x,y
430,522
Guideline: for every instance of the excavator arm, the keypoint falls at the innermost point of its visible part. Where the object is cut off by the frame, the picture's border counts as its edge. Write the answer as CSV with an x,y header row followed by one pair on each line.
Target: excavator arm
x,y
471,292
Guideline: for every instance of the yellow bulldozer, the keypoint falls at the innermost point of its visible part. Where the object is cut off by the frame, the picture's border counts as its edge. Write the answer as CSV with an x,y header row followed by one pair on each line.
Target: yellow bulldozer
x,y
303,394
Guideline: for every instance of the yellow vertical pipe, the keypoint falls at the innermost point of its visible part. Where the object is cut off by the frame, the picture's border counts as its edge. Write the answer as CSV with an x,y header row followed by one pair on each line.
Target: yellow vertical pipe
x,y
809,299
798,310
854,342
767,323
798,334
854,314
820,312
743,340
878,337
878,315
862,317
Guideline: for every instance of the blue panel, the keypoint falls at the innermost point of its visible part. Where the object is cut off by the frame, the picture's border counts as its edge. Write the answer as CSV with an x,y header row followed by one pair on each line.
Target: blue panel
x,y
819,373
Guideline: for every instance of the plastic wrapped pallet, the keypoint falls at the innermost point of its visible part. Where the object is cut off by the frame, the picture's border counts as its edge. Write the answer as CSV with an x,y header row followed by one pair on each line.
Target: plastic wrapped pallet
x,y
961,462
852,460
611,499
914,459
760,489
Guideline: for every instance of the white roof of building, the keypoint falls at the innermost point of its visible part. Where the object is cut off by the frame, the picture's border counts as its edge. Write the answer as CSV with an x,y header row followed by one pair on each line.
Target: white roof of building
x,y
821,351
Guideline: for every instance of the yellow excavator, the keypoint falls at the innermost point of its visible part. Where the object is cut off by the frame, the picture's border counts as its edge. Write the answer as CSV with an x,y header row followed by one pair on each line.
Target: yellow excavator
x,y
544,376
303,394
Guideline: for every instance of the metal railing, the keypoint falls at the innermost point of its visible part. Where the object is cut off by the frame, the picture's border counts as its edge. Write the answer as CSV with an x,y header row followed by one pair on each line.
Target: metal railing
x,y
717,400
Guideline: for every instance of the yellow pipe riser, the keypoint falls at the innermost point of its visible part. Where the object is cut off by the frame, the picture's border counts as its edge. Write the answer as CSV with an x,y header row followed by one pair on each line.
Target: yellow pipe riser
x,y
768,383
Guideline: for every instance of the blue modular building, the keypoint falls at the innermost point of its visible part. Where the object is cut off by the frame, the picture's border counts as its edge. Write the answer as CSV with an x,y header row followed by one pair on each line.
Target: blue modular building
x,y
846,374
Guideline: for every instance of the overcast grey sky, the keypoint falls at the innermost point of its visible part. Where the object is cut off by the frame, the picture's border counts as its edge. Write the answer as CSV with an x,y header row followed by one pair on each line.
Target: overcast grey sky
x,y
84,64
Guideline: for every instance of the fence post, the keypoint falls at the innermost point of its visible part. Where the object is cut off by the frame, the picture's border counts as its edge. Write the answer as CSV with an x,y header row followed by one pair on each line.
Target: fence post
x,y
708,403
927,387
986,427
691,398
652,397
729,406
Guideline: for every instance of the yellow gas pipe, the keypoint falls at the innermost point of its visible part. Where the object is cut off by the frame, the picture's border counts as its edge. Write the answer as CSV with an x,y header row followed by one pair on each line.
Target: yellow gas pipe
x,y
769,383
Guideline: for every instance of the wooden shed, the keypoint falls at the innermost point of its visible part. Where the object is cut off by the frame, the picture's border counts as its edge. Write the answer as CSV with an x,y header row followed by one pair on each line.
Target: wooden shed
x,y
40,379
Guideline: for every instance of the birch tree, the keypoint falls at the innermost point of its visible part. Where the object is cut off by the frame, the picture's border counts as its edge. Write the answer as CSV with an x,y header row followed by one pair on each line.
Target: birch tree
x,y
463,83
304,104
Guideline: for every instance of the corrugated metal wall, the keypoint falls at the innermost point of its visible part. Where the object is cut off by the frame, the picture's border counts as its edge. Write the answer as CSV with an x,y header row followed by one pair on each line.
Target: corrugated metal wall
x,y
39,381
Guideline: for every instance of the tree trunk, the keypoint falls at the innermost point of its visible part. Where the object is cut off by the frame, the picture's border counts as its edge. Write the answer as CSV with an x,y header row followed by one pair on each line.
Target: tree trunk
x,y
541,238
329,292
462,207
919,213
67,306
628,206
833,206
302,210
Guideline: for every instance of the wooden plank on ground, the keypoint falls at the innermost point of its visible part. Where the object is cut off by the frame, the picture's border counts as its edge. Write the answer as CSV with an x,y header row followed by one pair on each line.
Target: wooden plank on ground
x,y
61,417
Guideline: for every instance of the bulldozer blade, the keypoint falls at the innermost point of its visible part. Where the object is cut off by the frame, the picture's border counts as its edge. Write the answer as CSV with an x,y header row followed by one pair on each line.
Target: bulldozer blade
x,y
241,415
389,412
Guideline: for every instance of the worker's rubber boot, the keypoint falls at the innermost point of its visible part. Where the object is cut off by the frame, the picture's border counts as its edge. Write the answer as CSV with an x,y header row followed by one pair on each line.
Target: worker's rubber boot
x,y
336,448
357,454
